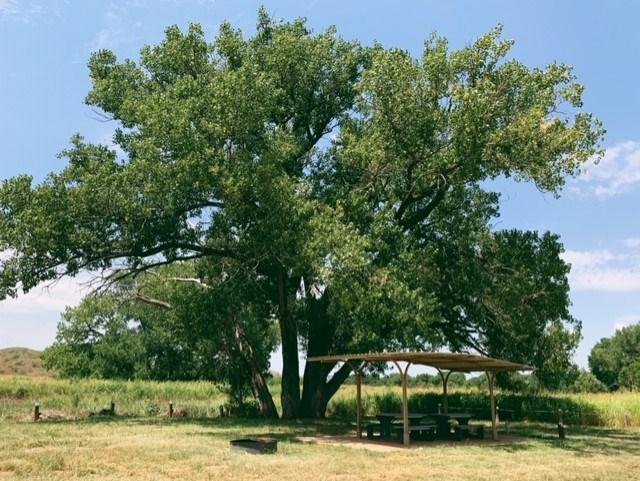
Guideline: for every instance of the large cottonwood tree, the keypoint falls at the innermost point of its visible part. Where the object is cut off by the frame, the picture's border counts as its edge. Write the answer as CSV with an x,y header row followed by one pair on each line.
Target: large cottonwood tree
x,y
349,185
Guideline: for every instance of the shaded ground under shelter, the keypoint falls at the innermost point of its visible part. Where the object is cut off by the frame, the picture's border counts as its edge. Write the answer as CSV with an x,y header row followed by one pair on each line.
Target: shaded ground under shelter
x,y
444,362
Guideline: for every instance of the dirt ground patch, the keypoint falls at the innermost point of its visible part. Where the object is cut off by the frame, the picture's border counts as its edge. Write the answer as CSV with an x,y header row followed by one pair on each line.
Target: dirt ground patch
x,y
390,446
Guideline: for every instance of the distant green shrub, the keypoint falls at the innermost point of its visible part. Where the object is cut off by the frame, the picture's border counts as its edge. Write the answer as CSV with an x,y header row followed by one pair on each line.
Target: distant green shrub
x,y
587,382
583,409
152,409
629,376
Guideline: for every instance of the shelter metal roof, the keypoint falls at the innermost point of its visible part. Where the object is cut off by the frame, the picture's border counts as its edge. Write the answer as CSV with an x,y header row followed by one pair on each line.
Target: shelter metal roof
x,y
462,362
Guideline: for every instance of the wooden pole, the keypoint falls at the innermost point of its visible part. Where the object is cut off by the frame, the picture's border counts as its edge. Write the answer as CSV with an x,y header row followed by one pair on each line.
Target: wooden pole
x,y
170,409
405,409
113,408
359,402
494,425
405,403
36,411
445,381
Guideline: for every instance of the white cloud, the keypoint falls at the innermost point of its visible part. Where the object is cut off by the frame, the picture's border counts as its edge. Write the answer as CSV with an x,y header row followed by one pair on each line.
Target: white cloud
x,y
122,28
589,258
632,242
25,11
48,297
625,321
606,279
30,320
8,7
617,172
605,271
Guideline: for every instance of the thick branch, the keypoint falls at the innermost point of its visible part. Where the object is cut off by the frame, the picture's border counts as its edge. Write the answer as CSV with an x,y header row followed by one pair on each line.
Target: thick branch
x,y
193,280
150,300
421,214
337,380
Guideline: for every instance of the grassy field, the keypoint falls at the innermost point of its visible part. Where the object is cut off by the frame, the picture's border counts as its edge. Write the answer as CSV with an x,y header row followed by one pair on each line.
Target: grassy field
x,y
141,443
74,399
21,361
198,449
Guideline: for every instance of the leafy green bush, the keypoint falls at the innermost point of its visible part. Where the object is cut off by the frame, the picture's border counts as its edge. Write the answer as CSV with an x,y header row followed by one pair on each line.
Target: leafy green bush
x,y
152,409
610,357
587,382
629,376
521,407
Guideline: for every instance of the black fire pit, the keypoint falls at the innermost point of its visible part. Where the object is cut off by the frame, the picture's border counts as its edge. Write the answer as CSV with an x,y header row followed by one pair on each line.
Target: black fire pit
x,y
255,445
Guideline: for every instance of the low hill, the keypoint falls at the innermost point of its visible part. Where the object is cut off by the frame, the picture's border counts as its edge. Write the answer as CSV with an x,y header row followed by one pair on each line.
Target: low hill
x,y
21,361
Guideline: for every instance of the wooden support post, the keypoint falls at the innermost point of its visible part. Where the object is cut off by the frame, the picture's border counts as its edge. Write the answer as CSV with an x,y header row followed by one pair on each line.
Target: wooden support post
x,y
445,381
170,409
494,426
112,408
36,411
359,402
405,403
405,411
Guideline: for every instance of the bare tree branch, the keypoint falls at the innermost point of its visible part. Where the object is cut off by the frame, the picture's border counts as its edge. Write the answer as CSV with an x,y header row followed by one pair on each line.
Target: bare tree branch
x,y
150,300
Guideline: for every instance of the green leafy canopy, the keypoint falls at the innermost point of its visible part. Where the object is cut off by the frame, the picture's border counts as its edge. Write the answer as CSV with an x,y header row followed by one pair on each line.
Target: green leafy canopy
x,y
347,185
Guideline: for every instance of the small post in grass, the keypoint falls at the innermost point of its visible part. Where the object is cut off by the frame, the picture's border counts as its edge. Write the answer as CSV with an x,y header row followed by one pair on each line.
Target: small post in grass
x,y
627,420
170,409
112,408
36,411
561,427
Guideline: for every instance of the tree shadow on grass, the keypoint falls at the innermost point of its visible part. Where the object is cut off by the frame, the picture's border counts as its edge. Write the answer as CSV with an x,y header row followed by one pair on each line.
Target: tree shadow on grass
x,y
223,428
583,441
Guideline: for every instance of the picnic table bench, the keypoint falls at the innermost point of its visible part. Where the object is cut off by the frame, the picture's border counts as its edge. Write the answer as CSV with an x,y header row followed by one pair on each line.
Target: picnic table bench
x,y
423,430
386,421
444,427
465,431
437,426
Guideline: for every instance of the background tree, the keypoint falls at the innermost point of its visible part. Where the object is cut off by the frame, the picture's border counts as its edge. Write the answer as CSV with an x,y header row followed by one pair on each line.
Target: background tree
x,y
612,358
630,376
129,332
587,382
371,240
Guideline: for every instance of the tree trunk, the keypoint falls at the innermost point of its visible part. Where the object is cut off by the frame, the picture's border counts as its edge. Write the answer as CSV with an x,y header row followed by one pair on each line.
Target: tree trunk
x,y
290,395
258,384
262,394
317,391
314,400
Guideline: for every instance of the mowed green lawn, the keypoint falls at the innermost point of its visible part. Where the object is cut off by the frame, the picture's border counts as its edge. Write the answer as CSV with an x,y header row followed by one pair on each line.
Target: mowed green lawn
x,y
198,449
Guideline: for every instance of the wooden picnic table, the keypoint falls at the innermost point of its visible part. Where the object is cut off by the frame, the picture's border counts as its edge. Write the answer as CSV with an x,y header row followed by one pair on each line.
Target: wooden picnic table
x,y
443,429
386,419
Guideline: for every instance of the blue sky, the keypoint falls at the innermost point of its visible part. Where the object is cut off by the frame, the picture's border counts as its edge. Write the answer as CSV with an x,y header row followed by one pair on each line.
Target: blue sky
x,y
44,46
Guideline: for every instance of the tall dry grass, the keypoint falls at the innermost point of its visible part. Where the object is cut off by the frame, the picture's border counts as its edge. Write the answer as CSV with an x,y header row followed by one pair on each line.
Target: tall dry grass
x,y
619,409
77,398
